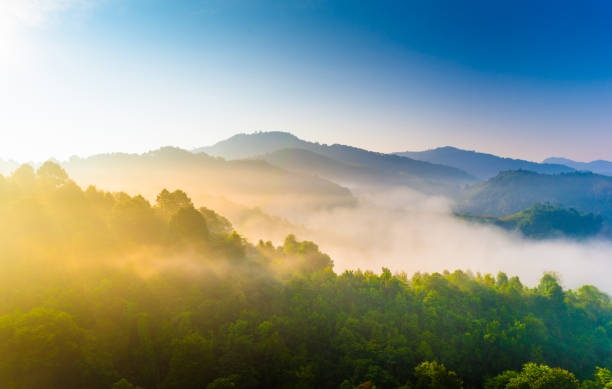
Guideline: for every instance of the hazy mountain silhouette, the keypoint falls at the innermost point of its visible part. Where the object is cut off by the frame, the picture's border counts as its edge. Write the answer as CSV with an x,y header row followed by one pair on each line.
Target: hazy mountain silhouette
x,y
482,165
249,182
599,166
512,191
261,143
351,175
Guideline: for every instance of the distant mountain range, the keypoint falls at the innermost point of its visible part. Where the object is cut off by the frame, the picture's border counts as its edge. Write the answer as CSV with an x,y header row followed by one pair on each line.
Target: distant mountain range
x,y
512,191
339,162
599,166
482,165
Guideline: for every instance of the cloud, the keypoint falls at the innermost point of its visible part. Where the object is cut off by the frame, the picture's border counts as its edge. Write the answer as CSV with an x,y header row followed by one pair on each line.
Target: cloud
x,y
407,231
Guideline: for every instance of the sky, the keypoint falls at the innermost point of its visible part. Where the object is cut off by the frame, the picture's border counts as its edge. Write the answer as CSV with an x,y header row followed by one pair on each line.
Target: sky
x,y
517,78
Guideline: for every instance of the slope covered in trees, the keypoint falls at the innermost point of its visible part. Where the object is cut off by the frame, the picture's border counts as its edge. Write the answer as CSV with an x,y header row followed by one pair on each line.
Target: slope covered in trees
x,y
483,165
547,221
105,290
512,191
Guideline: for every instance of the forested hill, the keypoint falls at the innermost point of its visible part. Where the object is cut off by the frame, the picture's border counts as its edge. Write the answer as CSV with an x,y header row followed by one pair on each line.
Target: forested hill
x,y
543,221
512,191
257,144
482,165
253,183
106,290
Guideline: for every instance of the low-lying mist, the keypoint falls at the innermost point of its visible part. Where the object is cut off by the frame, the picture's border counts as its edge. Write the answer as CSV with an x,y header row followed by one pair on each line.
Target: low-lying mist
x,y
407,231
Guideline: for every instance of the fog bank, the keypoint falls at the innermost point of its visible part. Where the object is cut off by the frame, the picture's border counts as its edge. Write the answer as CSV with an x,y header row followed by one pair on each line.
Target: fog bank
x,y
408,231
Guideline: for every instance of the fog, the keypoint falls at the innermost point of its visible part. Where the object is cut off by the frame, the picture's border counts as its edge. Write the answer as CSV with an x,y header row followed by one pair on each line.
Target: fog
x,y
400,229
407,231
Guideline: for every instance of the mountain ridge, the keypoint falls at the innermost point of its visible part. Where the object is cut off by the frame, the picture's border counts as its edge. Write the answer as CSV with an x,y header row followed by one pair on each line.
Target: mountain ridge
x,y
481,165
260,143
599,166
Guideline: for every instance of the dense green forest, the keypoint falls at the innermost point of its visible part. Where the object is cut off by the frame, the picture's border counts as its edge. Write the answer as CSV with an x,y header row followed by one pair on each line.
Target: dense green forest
x,y
543,221
106,290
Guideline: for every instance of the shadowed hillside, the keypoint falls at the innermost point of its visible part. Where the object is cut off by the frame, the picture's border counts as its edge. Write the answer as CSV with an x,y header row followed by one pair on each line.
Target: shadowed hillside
x,y
352,175
481,165
257,144
598,167
512,191
544,221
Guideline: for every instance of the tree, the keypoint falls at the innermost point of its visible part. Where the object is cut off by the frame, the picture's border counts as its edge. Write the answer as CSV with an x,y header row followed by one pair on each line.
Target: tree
x,y
169,203
189,224
534,376
603,380
24,177
192,365
434,375
123,384
45,348
52,174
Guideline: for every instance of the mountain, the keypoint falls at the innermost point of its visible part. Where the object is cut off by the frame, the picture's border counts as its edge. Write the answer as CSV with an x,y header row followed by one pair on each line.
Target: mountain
x,y
482,165
349,175
261,143
600,166
242,146
249,182
543,221
512,191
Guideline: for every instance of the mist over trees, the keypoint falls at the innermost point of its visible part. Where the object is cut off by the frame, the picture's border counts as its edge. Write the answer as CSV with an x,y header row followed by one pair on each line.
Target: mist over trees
x,y
106,290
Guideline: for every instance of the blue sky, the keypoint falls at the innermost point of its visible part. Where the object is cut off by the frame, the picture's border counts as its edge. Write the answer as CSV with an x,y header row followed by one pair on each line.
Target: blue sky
x,y
517,78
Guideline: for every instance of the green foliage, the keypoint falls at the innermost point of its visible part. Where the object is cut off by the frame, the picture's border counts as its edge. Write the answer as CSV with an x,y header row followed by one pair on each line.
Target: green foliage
x,y
512,191
46,348
215,222
104,290
547,221
187,223
430,375
123,384
192,364
169,203
534,376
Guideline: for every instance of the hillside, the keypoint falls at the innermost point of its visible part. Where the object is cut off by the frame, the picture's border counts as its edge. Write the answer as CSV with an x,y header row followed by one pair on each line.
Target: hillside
x,y
257,144
482,165
599,167
351,175
249,182
543,221
105,290
512,191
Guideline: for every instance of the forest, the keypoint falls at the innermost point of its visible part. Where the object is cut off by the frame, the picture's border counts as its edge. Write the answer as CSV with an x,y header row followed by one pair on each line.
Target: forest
x,y
110,290
546,221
